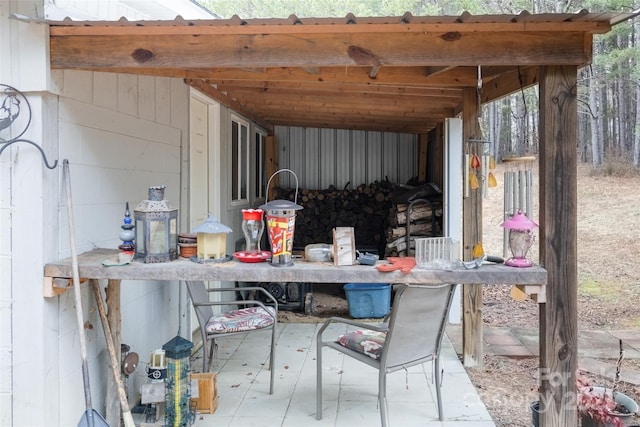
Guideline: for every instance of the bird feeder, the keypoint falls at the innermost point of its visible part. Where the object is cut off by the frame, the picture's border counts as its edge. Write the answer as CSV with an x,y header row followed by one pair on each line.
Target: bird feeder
x,y
520,229
178,384
156,228
211,239
281,220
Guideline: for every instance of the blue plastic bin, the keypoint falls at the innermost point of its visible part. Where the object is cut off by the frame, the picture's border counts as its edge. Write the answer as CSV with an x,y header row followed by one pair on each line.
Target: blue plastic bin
x,y
368,299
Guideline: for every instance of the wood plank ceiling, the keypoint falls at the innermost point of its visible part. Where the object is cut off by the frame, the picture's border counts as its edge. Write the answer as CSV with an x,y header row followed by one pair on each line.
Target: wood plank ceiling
x,y
396,74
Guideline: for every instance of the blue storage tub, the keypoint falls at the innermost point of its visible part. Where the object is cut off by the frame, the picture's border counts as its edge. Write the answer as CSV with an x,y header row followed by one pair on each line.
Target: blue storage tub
x,y
368,299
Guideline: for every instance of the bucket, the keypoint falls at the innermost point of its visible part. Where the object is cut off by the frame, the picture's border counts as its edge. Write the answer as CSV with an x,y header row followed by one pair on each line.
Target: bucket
x,y
281,220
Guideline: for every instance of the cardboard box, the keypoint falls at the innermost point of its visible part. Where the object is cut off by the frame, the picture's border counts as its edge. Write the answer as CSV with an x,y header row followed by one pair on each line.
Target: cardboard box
x,y
206,401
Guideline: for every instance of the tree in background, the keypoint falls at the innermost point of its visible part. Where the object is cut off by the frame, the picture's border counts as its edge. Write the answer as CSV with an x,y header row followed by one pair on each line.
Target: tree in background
x,y
609,89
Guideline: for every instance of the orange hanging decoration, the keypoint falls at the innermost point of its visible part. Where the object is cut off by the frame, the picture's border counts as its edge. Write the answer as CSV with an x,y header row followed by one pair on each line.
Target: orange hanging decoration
x,y
473,181
492,180
478,251
475,161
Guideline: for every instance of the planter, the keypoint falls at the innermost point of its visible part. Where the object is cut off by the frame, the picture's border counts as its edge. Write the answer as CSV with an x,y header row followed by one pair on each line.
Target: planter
x,y
623,400
535,414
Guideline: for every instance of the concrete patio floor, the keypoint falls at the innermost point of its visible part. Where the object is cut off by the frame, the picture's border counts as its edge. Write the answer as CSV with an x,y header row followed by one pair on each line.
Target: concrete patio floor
x,y
350,387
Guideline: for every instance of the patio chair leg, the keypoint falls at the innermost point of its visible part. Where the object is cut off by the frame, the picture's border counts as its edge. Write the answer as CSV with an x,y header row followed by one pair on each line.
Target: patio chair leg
x,y
319,381
272,359
438,387
382,397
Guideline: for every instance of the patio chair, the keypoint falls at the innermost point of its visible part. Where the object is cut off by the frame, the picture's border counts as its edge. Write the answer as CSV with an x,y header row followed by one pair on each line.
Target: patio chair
x,y
253,316
412,334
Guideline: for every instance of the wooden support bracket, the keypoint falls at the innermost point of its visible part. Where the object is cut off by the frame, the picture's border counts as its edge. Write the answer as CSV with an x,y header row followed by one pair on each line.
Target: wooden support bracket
x,y
538,293
54,286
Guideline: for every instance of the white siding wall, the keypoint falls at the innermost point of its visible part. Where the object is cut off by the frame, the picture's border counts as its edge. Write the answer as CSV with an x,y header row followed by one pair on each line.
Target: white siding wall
x,y
121,134
324,157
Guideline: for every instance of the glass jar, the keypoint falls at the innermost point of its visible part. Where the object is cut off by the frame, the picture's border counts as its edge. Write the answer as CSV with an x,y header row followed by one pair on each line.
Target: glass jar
x,y
252,227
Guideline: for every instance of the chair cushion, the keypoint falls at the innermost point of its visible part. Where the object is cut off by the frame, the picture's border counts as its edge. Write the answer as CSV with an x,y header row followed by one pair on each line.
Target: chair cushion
x,y
365,342
244,319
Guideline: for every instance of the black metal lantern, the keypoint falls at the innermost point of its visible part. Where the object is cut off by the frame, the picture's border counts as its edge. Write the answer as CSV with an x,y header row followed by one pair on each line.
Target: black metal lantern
x,y
156,228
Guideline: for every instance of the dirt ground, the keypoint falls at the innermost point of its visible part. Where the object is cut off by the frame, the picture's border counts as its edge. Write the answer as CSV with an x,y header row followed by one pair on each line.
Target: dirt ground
x,y
608,290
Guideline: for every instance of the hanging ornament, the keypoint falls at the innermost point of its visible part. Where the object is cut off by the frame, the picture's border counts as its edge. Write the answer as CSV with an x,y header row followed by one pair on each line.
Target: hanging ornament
x,y
475,161
492,163
492,180
478,251
473,180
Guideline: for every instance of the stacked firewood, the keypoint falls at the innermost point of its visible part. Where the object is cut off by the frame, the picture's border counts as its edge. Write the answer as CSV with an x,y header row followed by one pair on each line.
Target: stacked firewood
x,y
425,219
365,208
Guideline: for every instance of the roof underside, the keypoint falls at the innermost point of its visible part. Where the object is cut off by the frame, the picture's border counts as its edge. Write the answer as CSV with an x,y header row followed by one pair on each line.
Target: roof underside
x,y
397,74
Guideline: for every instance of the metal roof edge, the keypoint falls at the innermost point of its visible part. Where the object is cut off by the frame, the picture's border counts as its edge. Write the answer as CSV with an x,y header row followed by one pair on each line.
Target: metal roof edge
x,y
617,19
612,18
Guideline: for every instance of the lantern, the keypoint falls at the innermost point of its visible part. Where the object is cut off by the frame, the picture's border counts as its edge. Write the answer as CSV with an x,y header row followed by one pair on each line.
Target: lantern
x,y
156,228
178,384
520,229
212,239
281,220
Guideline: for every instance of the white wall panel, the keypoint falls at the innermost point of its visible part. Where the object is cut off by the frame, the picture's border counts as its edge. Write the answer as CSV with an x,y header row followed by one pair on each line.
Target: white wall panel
x,y
147,99
310,176
390,156
104,90
343,156
359,152
128,94
374,156
327,164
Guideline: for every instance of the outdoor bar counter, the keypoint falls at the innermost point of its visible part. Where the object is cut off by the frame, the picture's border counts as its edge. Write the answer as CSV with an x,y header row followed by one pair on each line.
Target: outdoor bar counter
x,y
90,267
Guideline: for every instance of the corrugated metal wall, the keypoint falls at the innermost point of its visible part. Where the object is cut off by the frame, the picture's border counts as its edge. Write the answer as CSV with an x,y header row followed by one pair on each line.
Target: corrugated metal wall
x,y
324,157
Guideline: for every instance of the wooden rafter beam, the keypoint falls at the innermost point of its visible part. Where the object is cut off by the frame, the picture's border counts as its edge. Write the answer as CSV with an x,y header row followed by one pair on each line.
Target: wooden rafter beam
x,y
322,87
93,52
399,76
509,83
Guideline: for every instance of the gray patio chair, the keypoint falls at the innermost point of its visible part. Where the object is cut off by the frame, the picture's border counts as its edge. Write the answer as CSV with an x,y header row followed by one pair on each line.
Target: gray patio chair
x,y
254,316
411,335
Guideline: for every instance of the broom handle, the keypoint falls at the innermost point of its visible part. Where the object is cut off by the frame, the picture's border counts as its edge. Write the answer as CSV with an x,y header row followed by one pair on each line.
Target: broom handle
x,y
76,288
124,403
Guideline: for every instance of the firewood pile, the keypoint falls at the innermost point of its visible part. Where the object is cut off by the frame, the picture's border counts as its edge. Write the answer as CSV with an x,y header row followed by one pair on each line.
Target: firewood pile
x,y
365,208
377,212
425,218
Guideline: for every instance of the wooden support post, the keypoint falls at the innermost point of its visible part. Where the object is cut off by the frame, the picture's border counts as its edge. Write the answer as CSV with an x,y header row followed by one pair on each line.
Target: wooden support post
x,y
472,226
113,316
271,162
558,245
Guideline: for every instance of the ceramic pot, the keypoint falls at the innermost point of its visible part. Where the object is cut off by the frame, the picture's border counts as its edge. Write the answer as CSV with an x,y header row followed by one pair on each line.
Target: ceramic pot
x,y
623,400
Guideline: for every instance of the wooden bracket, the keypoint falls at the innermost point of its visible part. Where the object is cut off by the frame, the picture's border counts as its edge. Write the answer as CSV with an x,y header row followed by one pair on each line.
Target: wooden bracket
x,y
54,286
538,293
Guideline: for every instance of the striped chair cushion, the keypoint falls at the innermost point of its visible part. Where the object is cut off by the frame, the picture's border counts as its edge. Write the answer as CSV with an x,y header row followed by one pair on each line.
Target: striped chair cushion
x,y
365,342
244,319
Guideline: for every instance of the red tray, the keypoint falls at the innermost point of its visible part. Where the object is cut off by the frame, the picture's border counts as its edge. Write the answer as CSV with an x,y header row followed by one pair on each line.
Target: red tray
x,y
244,256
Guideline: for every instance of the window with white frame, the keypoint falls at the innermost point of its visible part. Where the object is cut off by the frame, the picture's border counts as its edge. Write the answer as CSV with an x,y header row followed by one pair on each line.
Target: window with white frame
x,y
239,159
260,155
